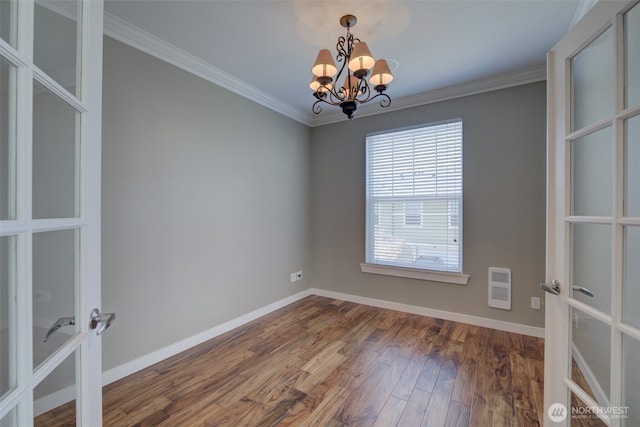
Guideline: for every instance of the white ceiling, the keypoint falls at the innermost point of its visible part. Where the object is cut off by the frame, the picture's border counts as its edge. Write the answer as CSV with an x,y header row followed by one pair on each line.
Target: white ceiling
x,y
270,45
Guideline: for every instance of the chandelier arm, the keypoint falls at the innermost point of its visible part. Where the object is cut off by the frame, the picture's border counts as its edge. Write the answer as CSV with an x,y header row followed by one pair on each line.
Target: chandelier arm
x,y
364,90
334,97
327,96
385,100
316,108
363,93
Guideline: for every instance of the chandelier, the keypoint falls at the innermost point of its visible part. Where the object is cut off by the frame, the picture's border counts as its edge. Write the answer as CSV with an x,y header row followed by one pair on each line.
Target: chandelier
x,y
356,62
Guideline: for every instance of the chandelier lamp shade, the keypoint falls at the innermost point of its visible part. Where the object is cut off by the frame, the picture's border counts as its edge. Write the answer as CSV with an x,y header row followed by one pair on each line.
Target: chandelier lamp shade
x,y
348,87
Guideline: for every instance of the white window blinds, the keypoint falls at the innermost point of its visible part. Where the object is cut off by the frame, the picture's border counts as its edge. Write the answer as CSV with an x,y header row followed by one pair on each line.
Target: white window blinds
x,y
414,198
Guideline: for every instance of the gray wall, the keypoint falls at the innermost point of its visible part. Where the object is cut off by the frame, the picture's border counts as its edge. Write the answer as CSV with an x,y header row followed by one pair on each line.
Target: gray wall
x,y
503,203
205,204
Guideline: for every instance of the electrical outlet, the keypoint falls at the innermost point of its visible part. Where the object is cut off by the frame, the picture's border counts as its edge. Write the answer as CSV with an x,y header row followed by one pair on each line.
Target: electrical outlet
x,y
42,296
535,303
294,277
299,275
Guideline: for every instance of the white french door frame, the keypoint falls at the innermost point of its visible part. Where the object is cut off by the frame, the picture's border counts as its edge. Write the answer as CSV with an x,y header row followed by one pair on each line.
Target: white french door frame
x,y
558,384
87,222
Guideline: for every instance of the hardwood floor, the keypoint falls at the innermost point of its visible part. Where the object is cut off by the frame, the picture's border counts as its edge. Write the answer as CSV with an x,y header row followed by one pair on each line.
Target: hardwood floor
x,y
325,362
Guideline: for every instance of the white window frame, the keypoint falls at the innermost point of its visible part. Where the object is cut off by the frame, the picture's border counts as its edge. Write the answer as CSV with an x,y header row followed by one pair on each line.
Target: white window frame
x,y
406,269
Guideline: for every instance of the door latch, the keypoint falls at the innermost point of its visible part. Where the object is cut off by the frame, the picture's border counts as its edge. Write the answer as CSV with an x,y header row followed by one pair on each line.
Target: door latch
x,y
583,290
63,321
552,288
102,319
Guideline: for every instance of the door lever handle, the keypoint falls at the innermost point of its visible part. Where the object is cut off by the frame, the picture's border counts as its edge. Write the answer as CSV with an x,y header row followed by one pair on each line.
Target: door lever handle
x,y
585,291
63,321
552,288
104,319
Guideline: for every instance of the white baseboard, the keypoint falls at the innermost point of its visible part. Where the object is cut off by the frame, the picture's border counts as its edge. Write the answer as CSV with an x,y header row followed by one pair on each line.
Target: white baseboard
x,y
54,400
440,314
171,350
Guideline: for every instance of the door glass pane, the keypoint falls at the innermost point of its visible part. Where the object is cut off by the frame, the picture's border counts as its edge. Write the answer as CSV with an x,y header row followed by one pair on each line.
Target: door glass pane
x,y
591,264
7,21
7,314
7,141
56,40
581,415
631,380
55,156
632,56
631,277
591,355
592,81
632,166
10,420
55,396
591,180
54,278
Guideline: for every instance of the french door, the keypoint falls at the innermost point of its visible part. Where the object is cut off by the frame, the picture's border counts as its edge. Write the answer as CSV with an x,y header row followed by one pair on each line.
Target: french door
x,y
50,133
592,354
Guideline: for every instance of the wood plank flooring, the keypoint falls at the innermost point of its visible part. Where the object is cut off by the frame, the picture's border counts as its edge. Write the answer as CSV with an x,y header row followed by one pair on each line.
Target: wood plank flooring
x,y
325,362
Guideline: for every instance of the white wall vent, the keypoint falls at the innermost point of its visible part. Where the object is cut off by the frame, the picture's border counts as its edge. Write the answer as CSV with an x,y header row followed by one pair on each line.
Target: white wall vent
x,y
500,288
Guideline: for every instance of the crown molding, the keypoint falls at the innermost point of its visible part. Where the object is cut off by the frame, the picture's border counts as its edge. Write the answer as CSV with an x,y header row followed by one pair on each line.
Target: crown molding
x,y
584,6
136,37
502,81
131,35
67,9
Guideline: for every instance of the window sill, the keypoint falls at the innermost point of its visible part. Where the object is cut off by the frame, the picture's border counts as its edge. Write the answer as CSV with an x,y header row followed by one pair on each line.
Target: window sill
x,y
413,273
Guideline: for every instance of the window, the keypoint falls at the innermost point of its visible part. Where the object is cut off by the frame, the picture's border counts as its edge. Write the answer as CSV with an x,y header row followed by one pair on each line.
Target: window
x,y
413,213
414,198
